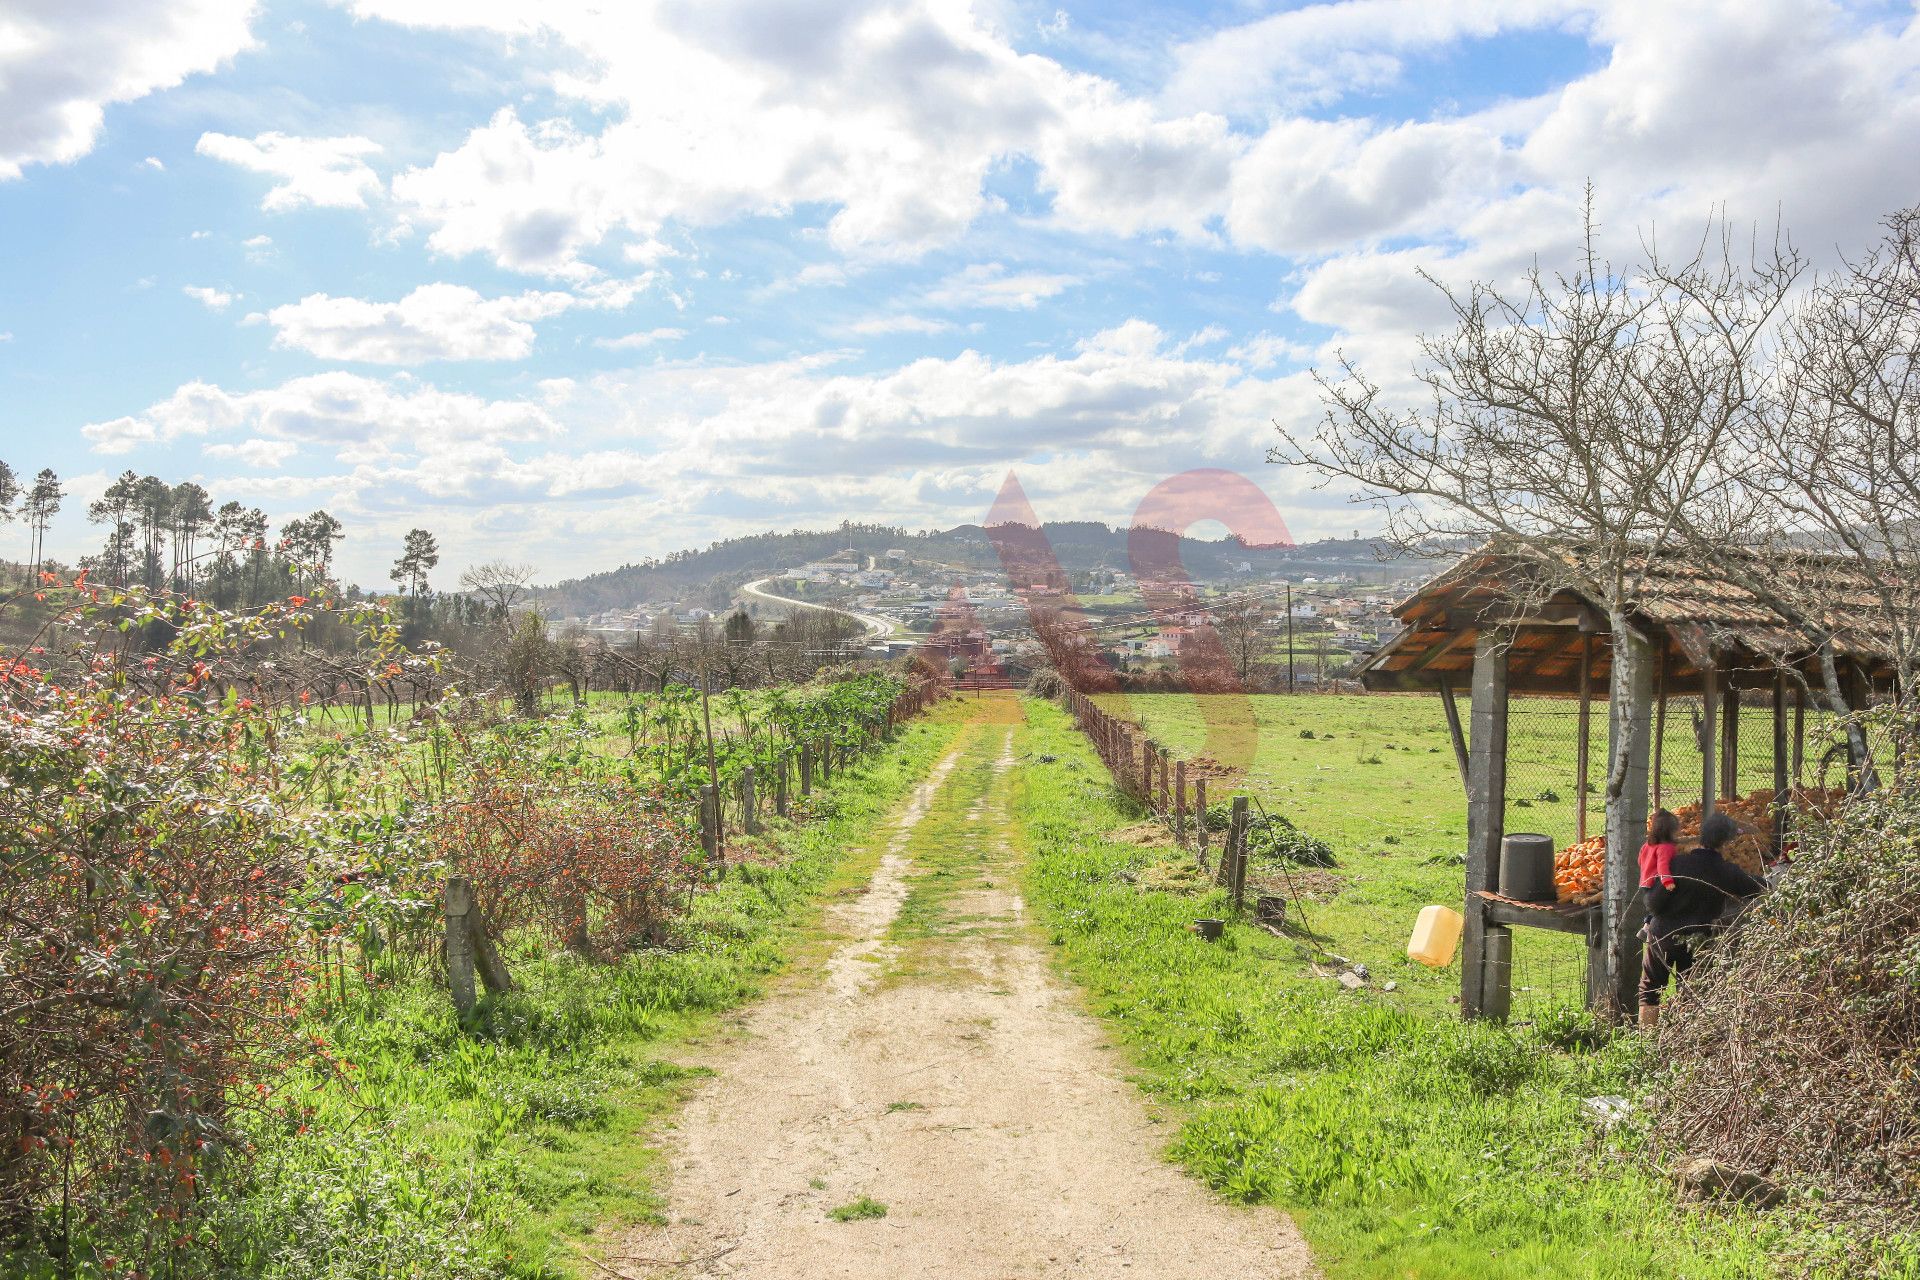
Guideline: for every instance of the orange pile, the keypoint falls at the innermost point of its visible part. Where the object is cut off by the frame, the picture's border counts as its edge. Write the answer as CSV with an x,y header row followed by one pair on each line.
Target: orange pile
x,y
1580,869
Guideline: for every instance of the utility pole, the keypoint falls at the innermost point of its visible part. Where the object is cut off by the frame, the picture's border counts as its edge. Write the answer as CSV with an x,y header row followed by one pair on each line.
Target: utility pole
x,y
1290,684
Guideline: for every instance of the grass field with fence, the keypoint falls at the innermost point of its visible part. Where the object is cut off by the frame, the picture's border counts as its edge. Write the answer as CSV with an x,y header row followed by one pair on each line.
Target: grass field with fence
x,y
1375,775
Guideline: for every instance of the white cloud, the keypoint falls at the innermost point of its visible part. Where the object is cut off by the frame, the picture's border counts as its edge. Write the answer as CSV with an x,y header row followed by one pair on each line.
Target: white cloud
x,y
988,284
6,337
154,163
62,63
891,116
1319,53
212,299
328,172
636,341
361,419
267,455
434,322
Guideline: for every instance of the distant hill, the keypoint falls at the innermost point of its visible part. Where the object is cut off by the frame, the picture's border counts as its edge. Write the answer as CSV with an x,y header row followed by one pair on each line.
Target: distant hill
x,y
710,576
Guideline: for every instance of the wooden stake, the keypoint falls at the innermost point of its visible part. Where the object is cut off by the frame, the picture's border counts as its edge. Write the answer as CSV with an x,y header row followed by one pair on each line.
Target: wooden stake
x,y
1200,817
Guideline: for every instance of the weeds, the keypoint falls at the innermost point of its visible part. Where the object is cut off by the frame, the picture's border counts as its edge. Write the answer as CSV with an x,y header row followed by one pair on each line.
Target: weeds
x,y
862,1210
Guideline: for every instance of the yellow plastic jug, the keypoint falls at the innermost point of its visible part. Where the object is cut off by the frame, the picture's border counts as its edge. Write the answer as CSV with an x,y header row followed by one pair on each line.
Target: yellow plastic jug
x,y
1435,934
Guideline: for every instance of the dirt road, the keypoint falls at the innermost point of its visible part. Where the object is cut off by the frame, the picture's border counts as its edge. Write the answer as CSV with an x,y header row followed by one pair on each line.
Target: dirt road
x,y
936,1065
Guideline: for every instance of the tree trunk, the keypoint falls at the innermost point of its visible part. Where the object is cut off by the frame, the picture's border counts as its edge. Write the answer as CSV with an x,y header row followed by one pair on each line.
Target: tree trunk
x,y
1614,976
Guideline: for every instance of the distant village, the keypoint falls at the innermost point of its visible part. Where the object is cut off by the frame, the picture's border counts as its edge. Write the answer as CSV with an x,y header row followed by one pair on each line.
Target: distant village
x,y
978,617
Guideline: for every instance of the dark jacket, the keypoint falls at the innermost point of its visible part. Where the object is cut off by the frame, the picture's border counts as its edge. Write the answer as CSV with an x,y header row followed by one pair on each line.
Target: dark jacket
x,y
1704,884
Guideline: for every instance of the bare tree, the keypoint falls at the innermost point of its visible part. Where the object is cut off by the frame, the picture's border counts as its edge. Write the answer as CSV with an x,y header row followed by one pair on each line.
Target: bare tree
x,y
503,584
1241,625
1570,423
1843,452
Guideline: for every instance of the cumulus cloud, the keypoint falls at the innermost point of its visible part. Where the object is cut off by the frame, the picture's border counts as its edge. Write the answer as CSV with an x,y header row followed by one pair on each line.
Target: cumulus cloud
x,y
329,172
891,116
358,418
434,322
62,64
211,299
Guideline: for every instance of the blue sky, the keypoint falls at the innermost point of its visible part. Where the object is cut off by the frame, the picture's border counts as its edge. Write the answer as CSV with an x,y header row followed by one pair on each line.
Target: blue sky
x,y
579,283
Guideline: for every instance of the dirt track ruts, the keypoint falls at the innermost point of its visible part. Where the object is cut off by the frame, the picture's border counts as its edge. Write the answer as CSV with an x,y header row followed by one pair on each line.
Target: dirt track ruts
x,y
952,1077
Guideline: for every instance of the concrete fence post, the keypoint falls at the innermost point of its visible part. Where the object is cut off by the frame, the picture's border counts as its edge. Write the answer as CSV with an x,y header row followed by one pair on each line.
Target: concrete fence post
x,y
459,904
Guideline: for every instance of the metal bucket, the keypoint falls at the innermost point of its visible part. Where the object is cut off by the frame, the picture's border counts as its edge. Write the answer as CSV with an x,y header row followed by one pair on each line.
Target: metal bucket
x,y
1526,867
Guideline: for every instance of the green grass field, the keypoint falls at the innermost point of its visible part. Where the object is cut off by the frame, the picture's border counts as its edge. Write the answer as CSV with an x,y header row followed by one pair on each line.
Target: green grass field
x,y
1408,1144
1378,780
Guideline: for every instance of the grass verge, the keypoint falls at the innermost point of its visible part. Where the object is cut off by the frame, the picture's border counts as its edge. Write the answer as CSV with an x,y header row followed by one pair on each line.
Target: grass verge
x,y
1407,1143
499,1153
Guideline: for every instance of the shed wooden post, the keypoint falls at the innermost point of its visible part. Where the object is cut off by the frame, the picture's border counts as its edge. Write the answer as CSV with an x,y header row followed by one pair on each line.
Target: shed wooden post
x,y
1480,987
1614,972
1147,750
750,800
1799,736
1730,744
1659,723
780,801
1180,801
1454,731
806,768
1782,806
1709,736
1583,749
460,943
1166,794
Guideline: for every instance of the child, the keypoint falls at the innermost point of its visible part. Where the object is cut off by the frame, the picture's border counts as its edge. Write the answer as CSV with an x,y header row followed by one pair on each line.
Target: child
x,y
1656,855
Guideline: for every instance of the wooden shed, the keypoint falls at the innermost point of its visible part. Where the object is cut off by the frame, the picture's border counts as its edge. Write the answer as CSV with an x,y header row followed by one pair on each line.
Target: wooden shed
x,y
1490,624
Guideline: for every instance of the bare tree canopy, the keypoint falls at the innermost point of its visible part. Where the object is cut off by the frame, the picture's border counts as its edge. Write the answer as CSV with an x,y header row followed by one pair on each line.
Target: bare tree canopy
x,y
503,584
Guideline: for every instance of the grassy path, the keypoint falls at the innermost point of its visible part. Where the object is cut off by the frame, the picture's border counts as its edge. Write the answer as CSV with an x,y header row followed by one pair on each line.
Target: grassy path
x,y
933,1099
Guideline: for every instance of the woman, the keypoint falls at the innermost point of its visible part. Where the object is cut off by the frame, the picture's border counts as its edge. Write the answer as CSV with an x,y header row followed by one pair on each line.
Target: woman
x,y
1680,918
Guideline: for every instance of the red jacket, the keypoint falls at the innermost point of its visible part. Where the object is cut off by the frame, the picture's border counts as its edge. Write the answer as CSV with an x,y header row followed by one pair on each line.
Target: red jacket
x,y
1656,863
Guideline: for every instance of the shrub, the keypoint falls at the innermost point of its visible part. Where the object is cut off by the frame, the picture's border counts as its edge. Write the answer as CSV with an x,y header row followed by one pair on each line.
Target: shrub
x,y
1046,683
554,838
1817,997
149,965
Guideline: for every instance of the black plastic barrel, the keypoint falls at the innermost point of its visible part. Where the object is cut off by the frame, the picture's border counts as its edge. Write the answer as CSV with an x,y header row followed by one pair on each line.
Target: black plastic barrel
x,y
1526,867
